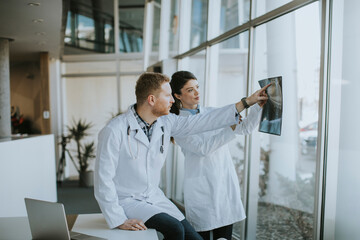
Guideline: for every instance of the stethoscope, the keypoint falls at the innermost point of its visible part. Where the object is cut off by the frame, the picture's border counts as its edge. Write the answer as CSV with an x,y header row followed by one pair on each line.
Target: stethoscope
x,y
137,143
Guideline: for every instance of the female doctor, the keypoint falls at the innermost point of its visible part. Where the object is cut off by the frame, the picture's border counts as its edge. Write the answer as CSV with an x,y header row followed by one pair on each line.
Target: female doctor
x,y
211,187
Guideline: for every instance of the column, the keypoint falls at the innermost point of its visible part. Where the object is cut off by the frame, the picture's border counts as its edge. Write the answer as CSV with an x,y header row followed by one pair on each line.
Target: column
x,y
5,115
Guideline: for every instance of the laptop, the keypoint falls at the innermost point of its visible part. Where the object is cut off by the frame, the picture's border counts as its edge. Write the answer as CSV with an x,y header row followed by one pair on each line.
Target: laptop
x,y
47,220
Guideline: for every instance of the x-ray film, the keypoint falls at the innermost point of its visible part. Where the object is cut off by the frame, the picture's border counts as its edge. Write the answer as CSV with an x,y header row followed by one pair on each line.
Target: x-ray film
x,y
271,117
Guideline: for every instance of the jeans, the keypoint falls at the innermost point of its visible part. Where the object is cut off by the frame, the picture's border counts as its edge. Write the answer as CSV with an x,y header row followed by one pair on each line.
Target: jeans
x,y
171,228
222,232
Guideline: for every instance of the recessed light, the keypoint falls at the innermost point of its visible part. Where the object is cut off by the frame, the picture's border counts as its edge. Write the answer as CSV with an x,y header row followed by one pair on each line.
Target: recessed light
x,y
34,4
40,33
39,20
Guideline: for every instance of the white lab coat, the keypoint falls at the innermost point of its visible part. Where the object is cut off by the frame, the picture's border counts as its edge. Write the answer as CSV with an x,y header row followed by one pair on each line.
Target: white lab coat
x,y
211,187
127,167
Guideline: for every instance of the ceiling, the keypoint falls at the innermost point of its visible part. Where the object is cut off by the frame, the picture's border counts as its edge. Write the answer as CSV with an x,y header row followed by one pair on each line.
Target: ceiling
x,y
20,20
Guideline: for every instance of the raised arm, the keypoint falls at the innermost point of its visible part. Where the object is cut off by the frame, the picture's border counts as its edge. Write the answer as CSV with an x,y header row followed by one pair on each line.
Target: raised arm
x,y
201,146
218,118
249,123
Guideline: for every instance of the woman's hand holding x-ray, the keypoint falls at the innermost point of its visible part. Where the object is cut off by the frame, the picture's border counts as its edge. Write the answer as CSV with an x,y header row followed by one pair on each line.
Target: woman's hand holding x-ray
x,y
259,97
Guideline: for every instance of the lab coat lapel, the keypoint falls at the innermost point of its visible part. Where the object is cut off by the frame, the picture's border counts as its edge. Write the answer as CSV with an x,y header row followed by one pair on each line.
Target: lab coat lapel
x,y
157,132
140,135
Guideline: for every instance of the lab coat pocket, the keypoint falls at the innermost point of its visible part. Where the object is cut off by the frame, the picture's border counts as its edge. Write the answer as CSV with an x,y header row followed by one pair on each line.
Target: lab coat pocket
x,y
197,197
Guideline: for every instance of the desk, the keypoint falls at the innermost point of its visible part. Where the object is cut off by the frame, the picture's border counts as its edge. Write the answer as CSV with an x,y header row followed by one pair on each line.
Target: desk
x,y
95,225
17,228
27,170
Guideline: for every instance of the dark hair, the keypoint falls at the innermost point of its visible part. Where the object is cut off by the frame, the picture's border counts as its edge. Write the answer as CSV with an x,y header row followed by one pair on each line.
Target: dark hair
x,y
178,80
147,84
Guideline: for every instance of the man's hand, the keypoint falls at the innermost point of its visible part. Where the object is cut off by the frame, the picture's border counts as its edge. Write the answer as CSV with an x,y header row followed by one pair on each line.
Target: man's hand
x,y
133,224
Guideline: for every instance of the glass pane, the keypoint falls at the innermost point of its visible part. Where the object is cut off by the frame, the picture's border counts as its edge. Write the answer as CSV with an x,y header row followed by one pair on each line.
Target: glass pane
x,y
343,150
89,28
233,13
230,85
131,28
289,46
154,56
196,65
264,6
174,28
92,99
198,22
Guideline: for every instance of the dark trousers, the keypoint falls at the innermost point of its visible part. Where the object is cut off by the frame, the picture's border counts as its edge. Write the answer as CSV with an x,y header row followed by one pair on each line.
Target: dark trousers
x,y
222,232
171,228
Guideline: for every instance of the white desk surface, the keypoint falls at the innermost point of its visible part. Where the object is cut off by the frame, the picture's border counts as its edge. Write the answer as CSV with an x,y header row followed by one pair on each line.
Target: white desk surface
x,y
17,228
95,225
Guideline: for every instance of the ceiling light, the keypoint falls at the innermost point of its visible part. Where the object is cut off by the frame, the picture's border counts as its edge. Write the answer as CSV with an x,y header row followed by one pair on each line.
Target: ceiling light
x,y
39,20
40,33
32,4
41,43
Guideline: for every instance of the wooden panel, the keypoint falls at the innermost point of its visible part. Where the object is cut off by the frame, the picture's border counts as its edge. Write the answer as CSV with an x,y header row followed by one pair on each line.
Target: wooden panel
x,y
45,93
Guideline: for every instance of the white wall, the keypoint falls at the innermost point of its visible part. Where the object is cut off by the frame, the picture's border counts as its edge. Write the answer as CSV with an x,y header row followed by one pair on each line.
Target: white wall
x,y
95,91
27,170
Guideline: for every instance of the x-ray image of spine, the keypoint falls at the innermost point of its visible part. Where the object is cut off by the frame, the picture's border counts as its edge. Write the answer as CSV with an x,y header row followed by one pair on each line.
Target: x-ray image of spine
x,y
272,112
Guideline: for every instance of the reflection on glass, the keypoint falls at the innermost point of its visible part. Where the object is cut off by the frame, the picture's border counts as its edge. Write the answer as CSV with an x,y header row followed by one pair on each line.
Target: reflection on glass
x,y
131,28
89,28
289,47
198,22
233,13
264,6
231,74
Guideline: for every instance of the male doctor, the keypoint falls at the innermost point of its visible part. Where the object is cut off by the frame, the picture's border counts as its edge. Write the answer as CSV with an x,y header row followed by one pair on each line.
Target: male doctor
x,y
131,152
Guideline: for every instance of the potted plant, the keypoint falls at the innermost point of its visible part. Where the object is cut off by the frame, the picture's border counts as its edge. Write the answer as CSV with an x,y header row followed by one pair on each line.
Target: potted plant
x,y
85,152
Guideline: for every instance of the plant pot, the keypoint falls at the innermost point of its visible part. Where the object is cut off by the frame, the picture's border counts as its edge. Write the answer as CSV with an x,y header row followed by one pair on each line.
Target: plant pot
x,y
86,179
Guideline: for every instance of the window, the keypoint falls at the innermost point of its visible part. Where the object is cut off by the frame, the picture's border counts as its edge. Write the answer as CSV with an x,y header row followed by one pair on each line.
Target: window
x,y
343,163
196,65
289,47
264,6
89,28
228,86
131,28
174,28
198,22
233,13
